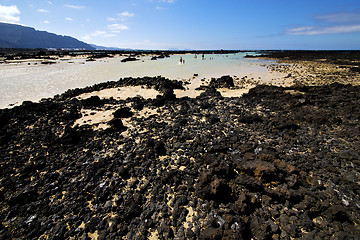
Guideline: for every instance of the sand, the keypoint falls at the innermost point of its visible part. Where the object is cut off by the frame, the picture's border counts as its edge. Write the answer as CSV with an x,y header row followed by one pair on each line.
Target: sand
x,y
123,93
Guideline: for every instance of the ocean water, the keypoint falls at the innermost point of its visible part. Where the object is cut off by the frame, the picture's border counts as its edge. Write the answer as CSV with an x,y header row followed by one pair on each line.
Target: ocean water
x,y
23,82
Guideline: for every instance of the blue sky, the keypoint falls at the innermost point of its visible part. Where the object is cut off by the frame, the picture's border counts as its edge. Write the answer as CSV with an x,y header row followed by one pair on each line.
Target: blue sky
x,y
195,24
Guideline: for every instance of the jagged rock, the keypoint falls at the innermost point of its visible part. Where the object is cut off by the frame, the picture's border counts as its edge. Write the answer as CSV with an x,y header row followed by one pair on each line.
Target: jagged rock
x,y
223,82
117,124
124,112
261,166
210,93
129,59
93,101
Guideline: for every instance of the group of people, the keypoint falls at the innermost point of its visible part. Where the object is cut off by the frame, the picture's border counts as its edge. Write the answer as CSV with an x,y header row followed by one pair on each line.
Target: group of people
x,y
202,57
182,61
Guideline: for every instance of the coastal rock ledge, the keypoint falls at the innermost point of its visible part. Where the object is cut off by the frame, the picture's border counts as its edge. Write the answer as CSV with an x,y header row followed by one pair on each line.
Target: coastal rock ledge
x,y
277,163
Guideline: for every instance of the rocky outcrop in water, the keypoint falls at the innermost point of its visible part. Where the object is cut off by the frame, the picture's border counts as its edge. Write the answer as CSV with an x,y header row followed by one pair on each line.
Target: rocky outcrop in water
x,y
129,59
277,163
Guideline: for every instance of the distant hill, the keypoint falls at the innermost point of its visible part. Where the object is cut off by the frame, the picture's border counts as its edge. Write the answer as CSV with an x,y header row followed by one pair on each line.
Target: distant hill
x,y
17,36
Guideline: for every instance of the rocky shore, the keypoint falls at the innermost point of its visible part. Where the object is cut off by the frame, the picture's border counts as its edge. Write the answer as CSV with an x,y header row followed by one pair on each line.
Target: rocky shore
x,y
313,68
276,163
9,55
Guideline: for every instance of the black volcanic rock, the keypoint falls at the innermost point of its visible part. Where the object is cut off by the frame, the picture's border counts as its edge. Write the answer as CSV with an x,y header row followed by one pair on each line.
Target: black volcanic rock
x,y
223,82
17,36
263,166
123,113
129,59
93,101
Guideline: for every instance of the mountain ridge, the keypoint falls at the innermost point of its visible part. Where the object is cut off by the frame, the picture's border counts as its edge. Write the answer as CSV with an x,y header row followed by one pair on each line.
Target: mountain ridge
x,y
18,36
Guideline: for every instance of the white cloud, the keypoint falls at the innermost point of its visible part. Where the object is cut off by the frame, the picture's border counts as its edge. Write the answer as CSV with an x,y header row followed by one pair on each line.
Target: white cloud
x,y
126,14
68,19
111,19
123,17
43,10
294,31
319,30
9,14
74,6
46,22
167,1
335,23
160,8
342,17
49,2
97,33
117,27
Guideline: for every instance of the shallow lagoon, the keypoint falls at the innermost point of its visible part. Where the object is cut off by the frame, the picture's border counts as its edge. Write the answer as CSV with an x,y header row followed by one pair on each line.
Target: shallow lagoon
x,y
21,81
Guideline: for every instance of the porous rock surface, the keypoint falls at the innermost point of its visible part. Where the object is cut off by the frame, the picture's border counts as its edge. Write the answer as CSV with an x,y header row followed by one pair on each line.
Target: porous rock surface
x,y
277,163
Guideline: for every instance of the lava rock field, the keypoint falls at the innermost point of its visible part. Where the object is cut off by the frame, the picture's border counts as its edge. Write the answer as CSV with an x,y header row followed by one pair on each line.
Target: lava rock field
x,y
276,163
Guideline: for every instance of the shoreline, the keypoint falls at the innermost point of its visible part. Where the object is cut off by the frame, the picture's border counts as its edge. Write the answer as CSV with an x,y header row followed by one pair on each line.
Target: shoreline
x,y
32,82
43,54
314,70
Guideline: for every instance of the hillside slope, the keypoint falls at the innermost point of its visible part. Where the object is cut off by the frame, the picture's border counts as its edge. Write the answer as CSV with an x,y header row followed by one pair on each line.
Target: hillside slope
x,y
16,36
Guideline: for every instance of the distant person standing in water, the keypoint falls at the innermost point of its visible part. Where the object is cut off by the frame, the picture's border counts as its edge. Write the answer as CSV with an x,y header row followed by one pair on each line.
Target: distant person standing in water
x,y
181,60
